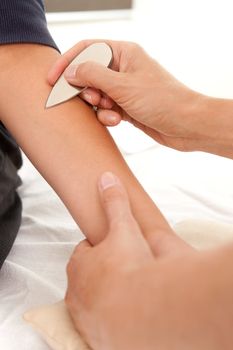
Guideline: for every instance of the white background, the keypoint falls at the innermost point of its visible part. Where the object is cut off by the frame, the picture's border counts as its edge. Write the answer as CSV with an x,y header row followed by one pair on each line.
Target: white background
x,y
193,38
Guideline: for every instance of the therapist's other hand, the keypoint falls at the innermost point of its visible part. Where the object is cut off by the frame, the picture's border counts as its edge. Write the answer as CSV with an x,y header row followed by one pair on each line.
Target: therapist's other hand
x,y
137,89
124,294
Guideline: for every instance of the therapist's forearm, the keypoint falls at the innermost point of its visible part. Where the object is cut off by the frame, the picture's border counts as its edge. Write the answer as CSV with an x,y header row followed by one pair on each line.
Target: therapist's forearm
x,y
211,125
66,143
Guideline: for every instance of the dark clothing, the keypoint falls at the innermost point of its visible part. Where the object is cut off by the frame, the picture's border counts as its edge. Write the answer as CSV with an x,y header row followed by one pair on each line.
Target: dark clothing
x,y
10,203
21,21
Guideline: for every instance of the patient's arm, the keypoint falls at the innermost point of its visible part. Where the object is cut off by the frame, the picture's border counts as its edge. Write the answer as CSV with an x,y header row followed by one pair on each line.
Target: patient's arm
x,y
66,143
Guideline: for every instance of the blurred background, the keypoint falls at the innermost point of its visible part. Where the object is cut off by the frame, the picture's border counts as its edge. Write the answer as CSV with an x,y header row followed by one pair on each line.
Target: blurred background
x,y
192,39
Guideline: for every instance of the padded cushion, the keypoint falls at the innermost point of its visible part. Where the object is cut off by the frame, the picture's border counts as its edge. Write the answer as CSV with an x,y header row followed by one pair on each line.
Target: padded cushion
x,y
55,325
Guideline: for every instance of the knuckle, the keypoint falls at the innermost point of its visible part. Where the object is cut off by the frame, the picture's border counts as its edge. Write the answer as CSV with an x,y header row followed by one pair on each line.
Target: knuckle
x,y
85,73
83,69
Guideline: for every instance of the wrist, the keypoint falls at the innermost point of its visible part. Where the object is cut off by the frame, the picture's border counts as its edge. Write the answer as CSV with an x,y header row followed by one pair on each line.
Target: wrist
x,y
209,123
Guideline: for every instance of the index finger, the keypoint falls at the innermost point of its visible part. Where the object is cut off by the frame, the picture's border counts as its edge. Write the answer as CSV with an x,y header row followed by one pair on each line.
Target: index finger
x,y
61,64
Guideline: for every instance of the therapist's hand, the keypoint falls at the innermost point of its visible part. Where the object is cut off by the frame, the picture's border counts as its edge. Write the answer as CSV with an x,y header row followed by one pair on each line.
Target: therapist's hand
x,y
127,294
137,89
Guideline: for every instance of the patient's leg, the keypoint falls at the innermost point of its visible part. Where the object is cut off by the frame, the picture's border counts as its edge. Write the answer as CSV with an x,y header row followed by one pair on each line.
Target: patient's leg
x,y
66,143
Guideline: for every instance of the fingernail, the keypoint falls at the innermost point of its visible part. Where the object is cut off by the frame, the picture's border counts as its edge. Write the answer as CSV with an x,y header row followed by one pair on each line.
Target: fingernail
x,y
70,72
107,180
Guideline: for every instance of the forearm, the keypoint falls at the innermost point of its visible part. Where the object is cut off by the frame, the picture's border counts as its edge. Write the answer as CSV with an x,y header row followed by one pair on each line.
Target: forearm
x,y
210,124
66,143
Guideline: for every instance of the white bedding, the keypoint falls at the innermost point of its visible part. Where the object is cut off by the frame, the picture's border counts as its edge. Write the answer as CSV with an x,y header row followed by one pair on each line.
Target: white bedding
x,y
185,186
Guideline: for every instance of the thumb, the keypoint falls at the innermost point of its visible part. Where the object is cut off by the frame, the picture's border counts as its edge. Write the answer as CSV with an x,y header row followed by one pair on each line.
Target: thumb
x,y
92,74
116,205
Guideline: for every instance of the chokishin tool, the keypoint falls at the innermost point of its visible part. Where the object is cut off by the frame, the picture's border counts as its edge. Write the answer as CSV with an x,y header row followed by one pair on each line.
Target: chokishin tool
x,y
62,90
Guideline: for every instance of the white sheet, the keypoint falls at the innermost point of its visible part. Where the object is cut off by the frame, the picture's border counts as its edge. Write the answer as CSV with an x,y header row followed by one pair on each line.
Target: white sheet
x,y
183,185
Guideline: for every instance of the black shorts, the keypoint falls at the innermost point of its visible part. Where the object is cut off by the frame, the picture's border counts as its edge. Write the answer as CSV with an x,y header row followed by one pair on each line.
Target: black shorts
x,y
21,21
10,203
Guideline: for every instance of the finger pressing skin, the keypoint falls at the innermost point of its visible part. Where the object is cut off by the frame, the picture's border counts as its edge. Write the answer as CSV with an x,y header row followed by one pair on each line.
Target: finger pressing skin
x,y
116,204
